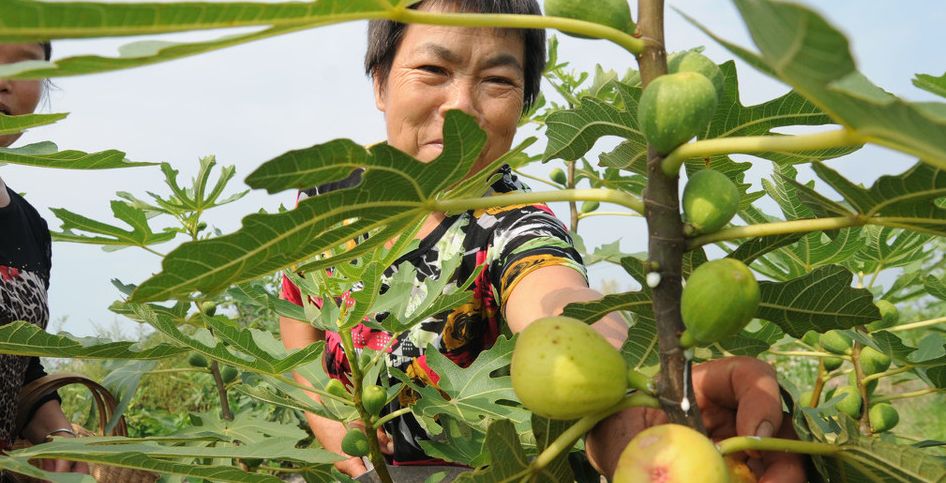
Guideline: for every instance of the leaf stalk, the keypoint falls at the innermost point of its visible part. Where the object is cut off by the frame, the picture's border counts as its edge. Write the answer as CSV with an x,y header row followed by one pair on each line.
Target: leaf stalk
x,y
589,194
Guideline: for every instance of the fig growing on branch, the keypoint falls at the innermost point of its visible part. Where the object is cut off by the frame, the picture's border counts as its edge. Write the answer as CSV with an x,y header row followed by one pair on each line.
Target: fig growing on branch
x,y
355,443
883,417
373,398
589,206
675,108
558,176
836,342
563,369
197,360
873,361
610,13
889,316
228,374
693,61
710,200
832,363
671,453
336,388
850,402
719,299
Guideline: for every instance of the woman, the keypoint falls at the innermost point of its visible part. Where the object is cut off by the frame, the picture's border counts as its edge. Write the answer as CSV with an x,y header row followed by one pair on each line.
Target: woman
x,y
25,261
420,72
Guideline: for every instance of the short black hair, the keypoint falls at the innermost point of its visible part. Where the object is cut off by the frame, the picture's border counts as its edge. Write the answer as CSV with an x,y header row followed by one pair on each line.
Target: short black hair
x,y
384,38
47,49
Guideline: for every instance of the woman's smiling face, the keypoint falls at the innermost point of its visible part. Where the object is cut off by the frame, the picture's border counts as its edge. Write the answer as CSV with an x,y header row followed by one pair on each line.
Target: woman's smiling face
x,y
18,97
436,68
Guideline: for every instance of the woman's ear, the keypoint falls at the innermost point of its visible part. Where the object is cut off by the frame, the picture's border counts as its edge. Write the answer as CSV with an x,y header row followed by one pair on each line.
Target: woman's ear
x,y
378,92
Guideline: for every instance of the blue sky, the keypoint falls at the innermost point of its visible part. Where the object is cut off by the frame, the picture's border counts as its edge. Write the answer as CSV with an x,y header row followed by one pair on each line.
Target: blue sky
x,y
250,103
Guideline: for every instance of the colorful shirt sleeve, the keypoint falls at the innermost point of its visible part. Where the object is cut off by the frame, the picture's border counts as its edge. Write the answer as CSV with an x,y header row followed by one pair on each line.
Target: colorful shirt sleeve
x,y
526,238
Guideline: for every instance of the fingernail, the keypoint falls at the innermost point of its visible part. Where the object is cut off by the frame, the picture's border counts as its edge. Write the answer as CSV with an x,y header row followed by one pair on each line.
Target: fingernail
x,y
765,429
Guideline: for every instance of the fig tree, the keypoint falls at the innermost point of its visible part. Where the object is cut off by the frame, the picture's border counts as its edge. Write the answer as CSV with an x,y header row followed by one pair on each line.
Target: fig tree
x,y
564,369
889,316
719,299
671,453
675,108
850,404
883,417
710,200
693,61
197,360
611,13
836,342
373,398
355,443
873,361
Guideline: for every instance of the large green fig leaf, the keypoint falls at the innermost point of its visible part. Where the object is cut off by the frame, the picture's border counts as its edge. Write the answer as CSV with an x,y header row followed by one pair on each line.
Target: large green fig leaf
x,y
472,393
801,48
819,301
545,431
16,124
26,339
396,192
459,443
47,155
110,236
29,20
573,132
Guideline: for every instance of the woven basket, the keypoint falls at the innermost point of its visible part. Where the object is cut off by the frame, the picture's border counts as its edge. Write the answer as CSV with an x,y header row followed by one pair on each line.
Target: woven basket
x,y
105,405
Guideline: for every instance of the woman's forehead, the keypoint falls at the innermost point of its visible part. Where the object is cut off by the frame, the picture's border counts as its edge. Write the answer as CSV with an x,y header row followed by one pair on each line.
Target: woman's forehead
x,y
30,50
492,47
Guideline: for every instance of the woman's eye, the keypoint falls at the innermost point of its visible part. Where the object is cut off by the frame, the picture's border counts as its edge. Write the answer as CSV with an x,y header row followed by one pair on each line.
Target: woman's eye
x,y
433,69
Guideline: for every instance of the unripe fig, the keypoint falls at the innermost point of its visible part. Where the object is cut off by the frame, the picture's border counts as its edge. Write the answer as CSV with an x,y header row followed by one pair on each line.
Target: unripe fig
x,y
208,308
832,363
558,176
852,379
197,360
719,299
355,443
228,374
589,206
336,388
836,342
851,403
674,108
692,61
889,316
612,13
873,361
671,453
883,417
564,369
710,200
373,398
739,472
811,338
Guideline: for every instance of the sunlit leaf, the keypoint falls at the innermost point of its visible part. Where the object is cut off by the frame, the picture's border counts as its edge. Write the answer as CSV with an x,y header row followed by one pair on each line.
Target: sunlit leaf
x,y
17,124
47,155
936,85
109,236
507,458
26,339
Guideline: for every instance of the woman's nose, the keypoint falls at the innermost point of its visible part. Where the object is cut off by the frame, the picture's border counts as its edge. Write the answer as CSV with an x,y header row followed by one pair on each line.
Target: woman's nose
x,y
462,96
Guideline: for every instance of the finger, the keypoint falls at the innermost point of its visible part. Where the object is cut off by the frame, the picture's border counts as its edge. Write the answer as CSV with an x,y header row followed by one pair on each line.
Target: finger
x,y
387,444
784,467
745,384
62,466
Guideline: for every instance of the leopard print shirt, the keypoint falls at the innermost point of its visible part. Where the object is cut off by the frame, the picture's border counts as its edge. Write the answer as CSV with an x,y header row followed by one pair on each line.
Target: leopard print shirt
x,y
25,262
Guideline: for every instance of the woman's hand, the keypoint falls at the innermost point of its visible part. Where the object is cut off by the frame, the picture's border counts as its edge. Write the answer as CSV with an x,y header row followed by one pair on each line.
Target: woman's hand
x,y
46,420
736,396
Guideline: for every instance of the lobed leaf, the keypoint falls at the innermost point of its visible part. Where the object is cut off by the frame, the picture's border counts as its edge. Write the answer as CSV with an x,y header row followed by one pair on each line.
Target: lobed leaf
x,y
819,301
936,85
18,124
26,339
110,236
47,155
